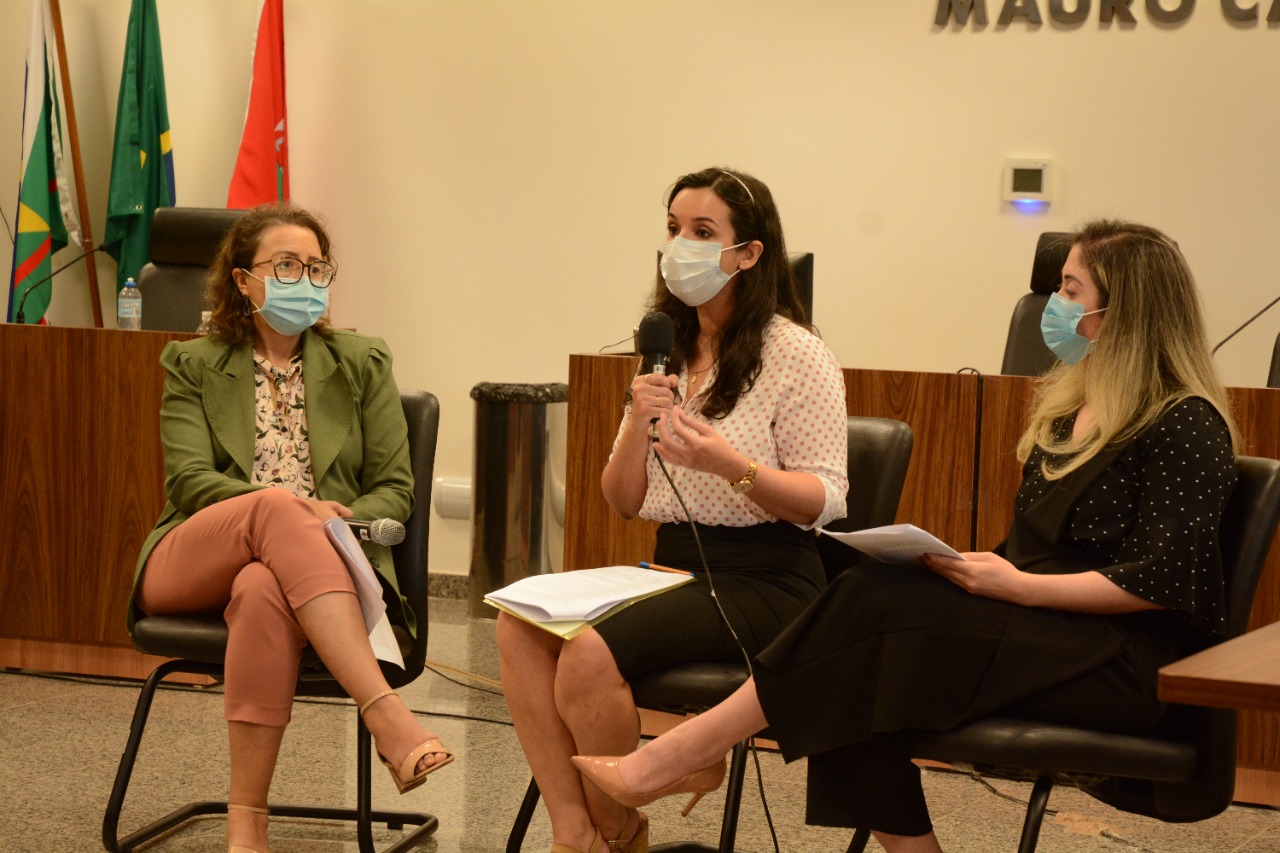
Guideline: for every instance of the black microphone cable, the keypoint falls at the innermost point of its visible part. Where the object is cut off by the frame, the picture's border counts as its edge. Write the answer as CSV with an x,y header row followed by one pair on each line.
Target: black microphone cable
x,y
1243,326
702,555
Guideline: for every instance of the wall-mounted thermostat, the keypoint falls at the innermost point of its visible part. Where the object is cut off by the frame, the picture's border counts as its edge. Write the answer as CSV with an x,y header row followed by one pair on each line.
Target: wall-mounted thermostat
x,y
1028,180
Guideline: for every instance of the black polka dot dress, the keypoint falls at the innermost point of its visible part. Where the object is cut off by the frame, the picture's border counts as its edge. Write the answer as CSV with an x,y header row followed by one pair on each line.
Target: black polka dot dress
x,y
892,648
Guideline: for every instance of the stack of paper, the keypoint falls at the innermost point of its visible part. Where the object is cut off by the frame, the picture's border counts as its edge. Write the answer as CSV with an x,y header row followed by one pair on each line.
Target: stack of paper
x,y
566,603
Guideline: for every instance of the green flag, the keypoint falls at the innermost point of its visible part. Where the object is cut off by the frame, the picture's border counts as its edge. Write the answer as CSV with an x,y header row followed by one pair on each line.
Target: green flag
x,y
41,229
142,158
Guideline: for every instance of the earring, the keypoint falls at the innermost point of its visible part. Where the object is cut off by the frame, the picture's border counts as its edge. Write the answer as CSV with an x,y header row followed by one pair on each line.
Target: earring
x,y
245,310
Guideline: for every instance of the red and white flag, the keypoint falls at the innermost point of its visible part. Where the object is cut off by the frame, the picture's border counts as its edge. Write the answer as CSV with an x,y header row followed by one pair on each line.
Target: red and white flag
x,y
262,168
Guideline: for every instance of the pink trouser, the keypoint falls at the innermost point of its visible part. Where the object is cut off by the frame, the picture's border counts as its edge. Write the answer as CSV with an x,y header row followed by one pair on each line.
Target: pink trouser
x,y
257,557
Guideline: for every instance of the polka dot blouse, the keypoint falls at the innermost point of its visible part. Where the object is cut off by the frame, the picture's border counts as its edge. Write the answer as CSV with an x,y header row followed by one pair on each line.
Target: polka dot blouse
x,y
794,419
1149,522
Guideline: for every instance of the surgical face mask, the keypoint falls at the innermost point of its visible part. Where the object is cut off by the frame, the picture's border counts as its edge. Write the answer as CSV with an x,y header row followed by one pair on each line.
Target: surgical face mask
x,y
291,309
691,269
1058,328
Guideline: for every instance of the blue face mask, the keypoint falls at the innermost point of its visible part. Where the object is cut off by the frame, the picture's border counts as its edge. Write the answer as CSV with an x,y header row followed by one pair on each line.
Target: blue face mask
x,y
291,309
1058,327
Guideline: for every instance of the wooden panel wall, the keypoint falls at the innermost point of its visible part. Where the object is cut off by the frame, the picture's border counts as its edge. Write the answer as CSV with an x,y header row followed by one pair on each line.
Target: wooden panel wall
x,y
593,534
942,411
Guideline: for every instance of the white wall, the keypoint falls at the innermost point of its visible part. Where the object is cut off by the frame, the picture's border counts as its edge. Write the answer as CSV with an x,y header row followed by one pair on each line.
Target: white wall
x,y
493,170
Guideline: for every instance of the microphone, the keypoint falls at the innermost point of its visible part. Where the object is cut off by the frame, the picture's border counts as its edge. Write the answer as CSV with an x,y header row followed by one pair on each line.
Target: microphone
x,y
1214,351
380,531
18,316
655,339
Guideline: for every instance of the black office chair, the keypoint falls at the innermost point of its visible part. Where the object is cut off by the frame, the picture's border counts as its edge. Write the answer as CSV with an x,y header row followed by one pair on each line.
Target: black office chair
x,y
183,243
1273,376
1024,351
1184,771
199,644
879,453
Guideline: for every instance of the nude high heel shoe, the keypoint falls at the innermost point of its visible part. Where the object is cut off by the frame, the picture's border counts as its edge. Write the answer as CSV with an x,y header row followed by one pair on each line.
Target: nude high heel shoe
x,y
602,771
405,777
237,807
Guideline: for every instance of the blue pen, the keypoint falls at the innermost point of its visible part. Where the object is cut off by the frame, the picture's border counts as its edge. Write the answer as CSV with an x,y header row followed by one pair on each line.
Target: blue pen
x,y
658,568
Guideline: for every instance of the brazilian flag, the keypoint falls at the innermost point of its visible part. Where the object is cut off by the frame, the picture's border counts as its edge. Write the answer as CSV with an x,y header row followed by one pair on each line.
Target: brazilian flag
x,y
142,158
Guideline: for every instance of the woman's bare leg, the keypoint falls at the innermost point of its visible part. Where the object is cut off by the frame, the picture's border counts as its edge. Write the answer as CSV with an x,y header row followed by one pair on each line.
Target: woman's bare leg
x,y
254,750
908,843
335,628
530,658
595,703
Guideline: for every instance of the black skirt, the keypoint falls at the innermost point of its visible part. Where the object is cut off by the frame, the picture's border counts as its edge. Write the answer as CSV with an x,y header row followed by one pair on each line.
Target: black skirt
x,y
894,648
764,575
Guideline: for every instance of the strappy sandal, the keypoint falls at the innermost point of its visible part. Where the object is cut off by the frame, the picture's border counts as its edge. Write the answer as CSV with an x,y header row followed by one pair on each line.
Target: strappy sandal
x,y
598,845
405,778
637,841
239,848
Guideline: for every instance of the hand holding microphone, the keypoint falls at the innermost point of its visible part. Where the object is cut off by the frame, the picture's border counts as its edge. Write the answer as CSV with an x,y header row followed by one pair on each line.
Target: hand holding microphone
x,y
654,392
380,531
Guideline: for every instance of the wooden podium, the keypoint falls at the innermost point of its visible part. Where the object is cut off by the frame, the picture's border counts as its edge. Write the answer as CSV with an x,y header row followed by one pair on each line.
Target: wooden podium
x,y
960,485
83,483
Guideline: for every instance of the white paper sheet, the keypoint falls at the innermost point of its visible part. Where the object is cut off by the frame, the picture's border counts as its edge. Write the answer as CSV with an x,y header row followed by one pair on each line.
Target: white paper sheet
x,y
896,543
368,590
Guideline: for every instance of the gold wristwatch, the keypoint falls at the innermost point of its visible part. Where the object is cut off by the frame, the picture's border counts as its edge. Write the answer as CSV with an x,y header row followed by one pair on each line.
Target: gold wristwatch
x,y
744,485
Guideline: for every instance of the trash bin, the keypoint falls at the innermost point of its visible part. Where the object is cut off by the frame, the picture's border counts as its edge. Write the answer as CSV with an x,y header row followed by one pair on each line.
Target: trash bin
x,y
510,486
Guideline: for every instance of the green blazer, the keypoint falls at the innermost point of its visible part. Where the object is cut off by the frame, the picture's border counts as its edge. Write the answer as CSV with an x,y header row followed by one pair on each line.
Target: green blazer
x,y
355,428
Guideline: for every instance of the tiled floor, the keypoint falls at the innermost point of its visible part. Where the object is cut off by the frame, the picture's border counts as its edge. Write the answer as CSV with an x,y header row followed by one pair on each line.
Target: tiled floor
x,y
60,741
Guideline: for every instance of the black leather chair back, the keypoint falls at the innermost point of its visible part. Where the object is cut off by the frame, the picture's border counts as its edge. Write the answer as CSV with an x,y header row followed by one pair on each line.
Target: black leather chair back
x,y
1024,351
1248,526
422,412
802,269
184,241
879,455
1273,375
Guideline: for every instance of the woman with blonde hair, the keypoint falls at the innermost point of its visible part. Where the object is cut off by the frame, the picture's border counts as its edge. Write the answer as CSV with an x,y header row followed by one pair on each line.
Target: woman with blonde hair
x,y
1111,569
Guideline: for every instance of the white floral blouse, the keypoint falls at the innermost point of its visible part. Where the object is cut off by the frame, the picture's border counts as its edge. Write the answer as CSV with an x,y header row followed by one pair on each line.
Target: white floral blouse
x,y
281,455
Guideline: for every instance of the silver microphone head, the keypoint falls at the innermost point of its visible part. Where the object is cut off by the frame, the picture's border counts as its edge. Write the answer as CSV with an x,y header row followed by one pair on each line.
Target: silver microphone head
x,y
386,531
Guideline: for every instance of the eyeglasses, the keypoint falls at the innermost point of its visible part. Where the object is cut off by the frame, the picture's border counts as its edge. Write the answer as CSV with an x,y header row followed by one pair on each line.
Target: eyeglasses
x,y
290,271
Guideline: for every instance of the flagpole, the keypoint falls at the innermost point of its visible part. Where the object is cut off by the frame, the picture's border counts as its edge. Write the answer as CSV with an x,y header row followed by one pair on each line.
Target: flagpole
x,y
78,170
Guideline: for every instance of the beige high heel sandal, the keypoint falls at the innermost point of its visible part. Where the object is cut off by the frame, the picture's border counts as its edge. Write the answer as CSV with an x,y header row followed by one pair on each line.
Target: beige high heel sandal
x,y
598,845
237,807
638,841
405,778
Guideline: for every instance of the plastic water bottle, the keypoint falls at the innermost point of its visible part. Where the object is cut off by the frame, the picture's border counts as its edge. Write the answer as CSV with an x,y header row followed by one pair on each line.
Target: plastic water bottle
x,y
129,307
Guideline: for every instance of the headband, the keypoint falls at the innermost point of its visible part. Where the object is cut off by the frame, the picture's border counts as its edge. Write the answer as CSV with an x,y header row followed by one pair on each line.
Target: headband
x,y
742,184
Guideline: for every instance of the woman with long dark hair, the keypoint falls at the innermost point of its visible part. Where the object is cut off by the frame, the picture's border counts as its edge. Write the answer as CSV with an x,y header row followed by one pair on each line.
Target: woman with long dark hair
x,y
751,423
